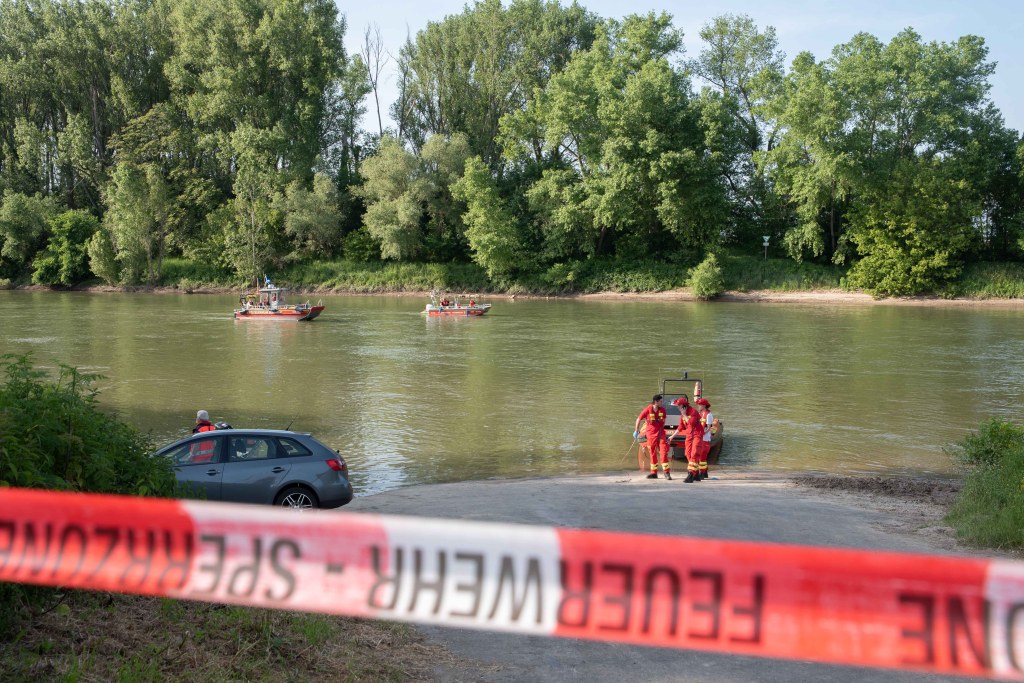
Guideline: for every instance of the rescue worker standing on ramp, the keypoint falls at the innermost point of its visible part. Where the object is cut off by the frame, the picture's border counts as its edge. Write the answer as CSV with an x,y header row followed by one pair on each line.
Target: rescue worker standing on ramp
x,y
689,420
706,422
657,442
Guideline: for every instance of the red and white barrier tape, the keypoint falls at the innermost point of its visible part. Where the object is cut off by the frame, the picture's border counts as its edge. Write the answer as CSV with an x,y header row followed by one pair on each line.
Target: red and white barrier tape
x,y
883,609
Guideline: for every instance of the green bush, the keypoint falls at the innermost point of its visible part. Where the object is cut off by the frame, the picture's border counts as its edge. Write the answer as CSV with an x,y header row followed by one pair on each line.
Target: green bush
x,y
706,279
989,510
53,436
65,260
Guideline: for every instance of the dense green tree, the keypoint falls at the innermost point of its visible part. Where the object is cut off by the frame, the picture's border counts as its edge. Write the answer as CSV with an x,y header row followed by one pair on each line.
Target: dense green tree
x,y
408,198
259,64
22,229
443,161
103,257
394,194
138,209
65,259
635,168
250,240
743,68
495,238
462,74
874,156
311,218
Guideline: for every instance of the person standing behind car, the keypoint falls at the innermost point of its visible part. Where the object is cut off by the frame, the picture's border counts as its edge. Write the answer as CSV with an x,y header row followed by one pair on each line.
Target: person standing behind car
x,y
706,420
657,443
203,423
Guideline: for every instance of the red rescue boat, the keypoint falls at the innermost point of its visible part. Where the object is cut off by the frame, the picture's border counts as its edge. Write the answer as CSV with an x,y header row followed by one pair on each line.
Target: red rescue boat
x,y
268,304
443,306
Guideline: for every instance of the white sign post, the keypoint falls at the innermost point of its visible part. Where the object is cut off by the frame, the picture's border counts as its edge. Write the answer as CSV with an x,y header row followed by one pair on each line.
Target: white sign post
x,y
765,237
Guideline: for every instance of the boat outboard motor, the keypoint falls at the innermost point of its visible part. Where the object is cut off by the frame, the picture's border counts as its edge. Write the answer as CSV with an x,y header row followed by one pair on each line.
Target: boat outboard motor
x,y
222,425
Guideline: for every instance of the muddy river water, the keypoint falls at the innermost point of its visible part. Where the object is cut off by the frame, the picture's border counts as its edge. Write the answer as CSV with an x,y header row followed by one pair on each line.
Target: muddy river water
x,y
540,387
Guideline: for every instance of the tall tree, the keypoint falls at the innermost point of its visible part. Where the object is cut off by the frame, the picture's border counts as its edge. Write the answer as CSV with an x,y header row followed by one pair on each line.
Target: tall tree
x,y
464,73
636,168
258,64
375,59
743,68
874,156
495,237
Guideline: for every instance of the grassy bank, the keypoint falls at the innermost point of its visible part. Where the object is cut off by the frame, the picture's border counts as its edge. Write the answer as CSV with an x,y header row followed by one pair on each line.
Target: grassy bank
x,y
740,272
111,637
990,509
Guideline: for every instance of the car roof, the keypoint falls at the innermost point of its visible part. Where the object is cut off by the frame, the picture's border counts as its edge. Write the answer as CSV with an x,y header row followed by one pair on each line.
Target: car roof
x,y
216,432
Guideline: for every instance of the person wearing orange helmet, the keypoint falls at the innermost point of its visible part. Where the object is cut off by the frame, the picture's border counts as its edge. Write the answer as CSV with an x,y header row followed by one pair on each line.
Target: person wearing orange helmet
x,y
706,421
657,442
689,422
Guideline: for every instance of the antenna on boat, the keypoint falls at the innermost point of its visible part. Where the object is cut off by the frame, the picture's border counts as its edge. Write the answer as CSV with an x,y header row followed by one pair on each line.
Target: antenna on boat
x,y
288,428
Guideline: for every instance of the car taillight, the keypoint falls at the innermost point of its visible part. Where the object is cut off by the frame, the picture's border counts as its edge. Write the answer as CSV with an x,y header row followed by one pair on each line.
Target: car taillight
x,y
337,465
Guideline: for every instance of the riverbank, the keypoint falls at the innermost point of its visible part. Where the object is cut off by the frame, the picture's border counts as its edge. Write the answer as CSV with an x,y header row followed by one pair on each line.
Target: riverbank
x,y
832,297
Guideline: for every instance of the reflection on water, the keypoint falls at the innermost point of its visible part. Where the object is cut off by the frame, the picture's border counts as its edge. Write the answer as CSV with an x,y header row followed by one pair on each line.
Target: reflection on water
x,y
542,387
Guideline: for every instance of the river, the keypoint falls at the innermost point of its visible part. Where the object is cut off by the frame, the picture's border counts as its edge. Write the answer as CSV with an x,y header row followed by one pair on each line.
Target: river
x,y
542,387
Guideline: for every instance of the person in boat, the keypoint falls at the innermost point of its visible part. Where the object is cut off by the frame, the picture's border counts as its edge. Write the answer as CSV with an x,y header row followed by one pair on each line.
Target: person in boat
x,y
706,420
689,421
445,302
203,423
472,303
657,442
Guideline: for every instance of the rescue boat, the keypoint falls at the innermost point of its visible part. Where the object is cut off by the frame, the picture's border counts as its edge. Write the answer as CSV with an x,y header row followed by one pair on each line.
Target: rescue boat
x,y
443,306
268,304
672,389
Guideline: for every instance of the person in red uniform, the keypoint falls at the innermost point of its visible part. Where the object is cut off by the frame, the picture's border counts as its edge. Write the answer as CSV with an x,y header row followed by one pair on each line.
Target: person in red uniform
x,y
689,421
203,423
202,451
706,420
657,442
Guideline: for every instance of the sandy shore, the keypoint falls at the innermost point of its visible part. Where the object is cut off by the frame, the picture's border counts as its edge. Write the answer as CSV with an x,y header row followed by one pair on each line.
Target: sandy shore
x,y
828,297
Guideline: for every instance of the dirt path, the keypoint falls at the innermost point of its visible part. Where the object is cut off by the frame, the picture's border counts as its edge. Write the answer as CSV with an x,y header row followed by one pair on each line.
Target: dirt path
x,y
734,504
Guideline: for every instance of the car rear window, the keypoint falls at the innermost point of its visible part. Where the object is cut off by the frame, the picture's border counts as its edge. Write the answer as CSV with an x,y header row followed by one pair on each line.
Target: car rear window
x,y
290,448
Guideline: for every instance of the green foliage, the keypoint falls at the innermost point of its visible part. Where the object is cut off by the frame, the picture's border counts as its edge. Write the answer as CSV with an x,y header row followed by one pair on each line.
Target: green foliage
x,y
988,281
406,194
102,258
465,73
745,273
311,219
394,195
494,235
633,156
65,260
990,508
187,274
359,245
138,208
914,238
877,157
53,435
706,279
22,228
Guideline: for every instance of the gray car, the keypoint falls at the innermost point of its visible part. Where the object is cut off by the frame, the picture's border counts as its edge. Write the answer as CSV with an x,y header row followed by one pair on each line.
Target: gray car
x,y
268,466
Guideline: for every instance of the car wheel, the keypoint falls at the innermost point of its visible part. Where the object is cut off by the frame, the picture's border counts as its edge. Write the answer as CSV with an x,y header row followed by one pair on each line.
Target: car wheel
x,y
297,498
